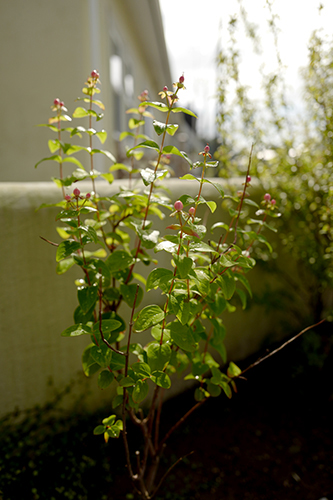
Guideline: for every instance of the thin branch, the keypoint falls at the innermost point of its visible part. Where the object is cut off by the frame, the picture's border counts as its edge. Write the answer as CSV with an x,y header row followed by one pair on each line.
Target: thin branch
x,y
51,242
243,195
281,346
168,472
180,421
128,458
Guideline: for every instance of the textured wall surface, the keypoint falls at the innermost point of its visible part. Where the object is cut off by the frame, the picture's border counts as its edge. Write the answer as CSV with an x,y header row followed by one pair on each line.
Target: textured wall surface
x,y
36,304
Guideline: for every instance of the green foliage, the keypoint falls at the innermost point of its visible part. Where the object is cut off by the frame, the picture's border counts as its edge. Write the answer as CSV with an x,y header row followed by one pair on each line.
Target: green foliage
x,y
294,155
105,238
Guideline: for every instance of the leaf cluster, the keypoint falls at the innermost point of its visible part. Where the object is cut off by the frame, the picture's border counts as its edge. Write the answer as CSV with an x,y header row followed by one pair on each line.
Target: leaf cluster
x,y
105,238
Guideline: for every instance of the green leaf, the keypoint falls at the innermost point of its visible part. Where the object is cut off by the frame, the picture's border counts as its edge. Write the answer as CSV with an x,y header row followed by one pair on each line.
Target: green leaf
x,y
167,246
172,129
64,265
219,332
54,145
233,370
108,177
148,237
184,265
214,390
217,186
109,420
240,277
219,305
76,330
157,277
105,153
146,145
227,284
189,177
172,150
142,370
101,354
148,176
200,394
161,379
67,248
88,363
105,378
110,328
102,136
182,336
87,297
117,361
80,113
127,382
242,296
118,261
157,105
184,110
161,127
147,317
227,389
259,237
158,356
128,292
135,123
100,429
56,158
140,391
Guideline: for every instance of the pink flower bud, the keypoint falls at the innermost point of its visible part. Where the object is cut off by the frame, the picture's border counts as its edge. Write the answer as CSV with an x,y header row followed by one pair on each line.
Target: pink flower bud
x,y
178,206
61,104
273,202
191,211
181,79
248,178
165,88
143,96
56,102
88,196
267,197
207,149
94,74
67,197
76,192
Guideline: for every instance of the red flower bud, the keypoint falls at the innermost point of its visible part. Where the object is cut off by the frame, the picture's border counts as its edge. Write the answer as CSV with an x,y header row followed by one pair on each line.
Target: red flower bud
x,y
165,88
178,206
94,74
207,149
181,79
88,196
67,197
56,102
248,178
76,192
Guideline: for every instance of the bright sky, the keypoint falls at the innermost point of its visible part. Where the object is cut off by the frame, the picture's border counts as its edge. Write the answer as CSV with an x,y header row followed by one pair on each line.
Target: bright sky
x,y
194,29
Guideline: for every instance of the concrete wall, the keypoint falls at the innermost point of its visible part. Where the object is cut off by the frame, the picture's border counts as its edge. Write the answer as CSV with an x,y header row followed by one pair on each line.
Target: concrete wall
x,y
36,304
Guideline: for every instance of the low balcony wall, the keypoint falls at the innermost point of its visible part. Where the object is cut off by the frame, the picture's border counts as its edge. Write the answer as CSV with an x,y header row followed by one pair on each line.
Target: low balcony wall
x,y
36,304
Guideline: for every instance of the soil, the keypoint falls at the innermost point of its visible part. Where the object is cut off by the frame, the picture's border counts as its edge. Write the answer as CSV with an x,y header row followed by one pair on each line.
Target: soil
x,y
272,440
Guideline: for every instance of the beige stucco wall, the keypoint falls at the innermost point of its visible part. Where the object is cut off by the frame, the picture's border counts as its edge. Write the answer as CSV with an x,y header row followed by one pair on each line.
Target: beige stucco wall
x,y
48,49
36,304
